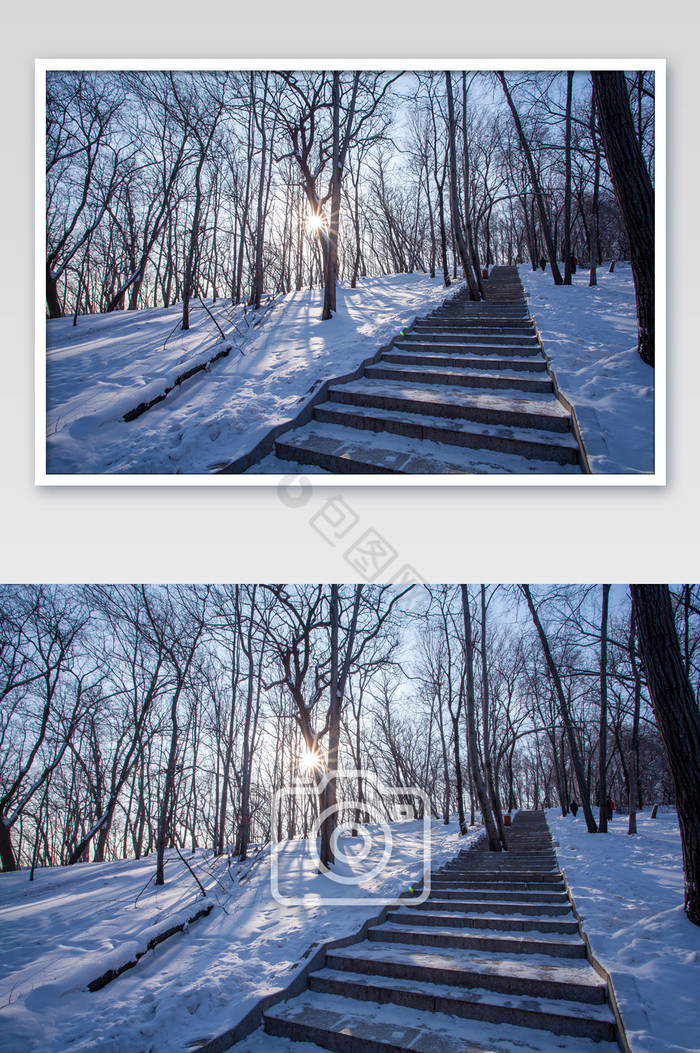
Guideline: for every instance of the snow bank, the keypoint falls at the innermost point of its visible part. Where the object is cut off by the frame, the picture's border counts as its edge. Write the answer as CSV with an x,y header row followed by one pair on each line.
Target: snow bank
x,y
629,892
590,337
109,364
61,929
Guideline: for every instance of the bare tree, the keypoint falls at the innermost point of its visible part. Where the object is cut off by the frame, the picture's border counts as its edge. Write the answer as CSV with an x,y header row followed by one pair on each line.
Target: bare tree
x,y
634,192
676,710
481,791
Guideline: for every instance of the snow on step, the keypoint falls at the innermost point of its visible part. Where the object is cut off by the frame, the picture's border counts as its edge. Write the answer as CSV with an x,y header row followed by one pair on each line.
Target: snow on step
x,y
560,1017
504,970
451,374
484,919
510,365
457,345
353,1026
528,442
476,365
525,942
348,450
510,406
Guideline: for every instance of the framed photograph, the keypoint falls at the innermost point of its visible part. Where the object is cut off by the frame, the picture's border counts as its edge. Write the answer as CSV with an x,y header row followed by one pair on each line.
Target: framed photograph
x,y
369,274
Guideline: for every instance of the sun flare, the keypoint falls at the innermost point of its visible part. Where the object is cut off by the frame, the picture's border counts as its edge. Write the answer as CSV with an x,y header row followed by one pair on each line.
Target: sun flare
x,y
309,761
316,221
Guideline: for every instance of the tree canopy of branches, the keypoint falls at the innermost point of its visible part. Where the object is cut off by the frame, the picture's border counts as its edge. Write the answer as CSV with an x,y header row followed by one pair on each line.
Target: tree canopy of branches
x,y
141,719
166,186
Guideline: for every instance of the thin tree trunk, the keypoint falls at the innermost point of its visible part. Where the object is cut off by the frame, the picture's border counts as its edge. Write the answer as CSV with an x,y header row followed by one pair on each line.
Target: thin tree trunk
x,y
565,714
567,180
634,759
454,200
603,736
544,219
485,736
491,831
593,248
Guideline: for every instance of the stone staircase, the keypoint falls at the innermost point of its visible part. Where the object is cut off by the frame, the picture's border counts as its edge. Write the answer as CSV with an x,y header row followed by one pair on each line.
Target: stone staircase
x,y
492,961
464,391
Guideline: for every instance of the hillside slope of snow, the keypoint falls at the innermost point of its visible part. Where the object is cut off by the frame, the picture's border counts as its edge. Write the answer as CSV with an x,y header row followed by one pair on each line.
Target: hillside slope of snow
x,y
69,925
590,337
629,893
107,365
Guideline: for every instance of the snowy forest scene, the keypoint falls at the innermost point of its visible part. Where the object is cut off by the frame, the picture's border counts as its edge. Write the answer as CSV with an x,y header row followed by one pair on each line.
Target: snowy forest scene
x,y
286,818
424,273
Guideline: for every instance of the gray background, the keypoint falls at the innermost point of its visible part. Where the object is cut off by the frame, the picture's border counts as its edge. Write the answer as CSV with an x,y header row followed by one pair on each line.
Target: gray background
x,y
218,533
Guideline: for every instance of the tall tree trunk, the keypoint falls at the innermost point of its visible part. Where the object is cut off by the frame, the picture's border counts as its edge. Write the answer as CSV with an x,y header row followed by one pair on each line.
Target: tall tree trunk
x,y
454,199
634,759
603,736
458,777
329,297
539,196
52,301
634,193
169,788
593,248
481,791
471,243
678,719
7,853
567,180
565,714
328,801
258,277
485,735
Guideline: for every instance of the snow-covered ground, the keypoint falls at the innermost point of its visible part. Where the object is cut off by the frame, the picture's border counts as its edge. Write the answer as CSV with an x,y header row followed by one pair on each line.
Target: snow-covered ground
x,y
109,364
590,336
629,892
70,925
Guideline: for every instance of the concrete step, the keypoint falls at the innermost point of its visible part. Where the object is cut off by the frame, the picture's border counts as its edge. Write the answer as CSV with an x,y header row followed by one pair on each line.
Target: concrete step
x,y
441,400
510,380
455,919
497,326
463,360
348,1025
485,339
528,942
558,1017
348,451
485,309
533,443
452,344
441,887
498,873
468,887
470,903
537,975
512,859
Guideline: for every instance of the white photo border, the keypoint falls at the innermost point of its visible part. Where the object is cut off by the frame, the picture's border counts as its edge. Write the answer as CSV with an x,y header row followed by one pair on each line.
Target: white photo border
x,y
657,66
